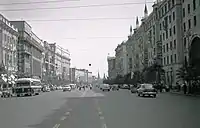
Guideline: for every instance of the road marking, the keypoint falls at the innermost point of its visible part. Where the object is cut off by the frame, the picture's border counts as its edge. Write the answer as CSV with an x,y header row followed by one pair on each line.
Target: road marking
x,y
63,118
100,113
57,126
101,117
67,113
104,126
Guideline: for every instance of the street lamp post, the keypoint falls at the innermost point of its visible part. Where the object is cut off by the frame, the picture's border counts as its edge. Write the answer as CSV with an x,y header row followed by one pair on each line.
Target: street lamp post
x,y
171,74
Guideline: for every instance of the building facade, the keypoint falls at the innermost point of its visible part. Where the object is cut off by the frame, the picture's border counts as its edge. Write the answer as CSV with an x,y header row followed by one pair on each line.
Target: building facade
x,y
82,76
57,63
30,49
72,75
121,59
49,67
111,67
168,36
191,32
8,48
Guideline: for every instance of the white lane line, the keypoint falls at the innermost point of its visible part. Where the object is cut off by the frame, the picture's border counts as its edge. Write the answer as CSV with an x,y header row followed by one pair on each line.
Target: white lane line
x,y
57,126
100,113
63,118
67,113
104,126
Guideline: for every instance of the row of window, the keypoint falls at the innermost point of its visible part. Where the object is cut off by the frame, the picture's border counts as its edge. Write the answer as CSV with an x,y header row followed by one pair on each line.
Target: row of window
x,y
170,59
167,20
170,46
166,7
167,34
10,59
194,6
190,23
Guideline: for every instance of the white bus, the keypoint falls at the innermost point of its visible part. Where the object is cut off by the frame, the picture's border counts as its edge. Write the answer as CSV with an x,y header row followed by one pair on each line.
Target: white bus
x,y
27,87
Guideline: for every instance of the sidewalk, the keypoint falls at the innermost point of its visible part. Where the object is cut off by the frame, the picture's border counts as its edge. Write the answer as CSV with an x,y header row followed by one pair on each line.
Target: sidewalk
x,y
182,93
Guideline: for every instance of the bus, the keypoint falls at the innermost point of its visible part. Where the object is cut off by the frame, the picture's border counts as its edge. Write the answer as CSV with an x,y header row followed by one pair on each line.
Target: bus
x,y
27,87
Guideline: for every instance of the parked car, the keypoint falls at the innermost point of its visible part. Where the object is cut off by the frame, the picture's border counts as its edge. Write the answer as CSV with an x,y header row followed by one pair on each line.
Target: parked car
x,y
146,90
67,88
105,87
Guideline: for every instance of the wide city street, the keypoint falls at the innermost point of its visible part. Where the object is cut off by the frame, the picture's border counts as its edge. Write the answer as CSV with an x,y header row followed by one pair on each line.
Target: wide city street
x,y
97,109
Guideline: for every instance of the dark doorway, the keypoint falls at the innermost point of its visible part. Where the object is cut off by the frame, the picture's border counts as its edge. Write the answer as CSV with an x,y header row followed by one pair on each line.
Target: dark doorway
x,y
194,53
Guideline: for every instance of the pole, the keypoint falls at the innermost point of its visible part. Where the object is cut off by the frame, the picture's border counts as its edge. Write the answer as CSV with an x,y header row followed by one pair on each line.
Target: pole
x,y
7,72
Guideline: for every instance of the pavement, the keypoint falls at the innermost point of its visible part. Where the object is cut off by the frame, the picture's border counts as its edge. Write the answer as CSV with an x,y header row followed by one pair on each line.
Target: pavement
x,y
97,109
182,93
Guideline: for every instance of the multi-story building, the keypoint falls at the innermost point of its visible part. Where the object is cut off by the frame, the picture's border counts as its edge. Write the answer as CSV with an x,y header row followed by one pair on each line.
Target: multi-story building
x,y
49,67
129,49
8,47
72,75
90,78
169,16
121,59
191,32
140,48
59,63
30,50
82,76
111,67
167,35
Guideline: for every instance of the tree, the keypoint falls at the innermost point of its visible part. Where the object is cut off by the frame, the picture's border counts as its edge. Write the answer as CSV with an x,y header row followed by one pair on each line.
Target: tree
x,y
2,69
119,79
188,74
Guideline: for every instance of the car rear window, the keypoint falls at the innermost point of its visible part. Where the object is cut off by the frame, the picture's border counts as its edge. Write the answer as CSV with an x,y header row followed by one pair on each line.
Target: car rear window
x,y
148,86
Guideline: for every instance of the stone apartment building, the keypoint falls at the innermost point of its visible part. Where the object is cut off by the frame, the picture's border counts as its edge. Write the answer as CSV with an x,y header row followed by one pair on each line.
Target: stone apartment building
x,y
30,49
121,59
57,63
111,67
168,36
191,32
8,49
170,32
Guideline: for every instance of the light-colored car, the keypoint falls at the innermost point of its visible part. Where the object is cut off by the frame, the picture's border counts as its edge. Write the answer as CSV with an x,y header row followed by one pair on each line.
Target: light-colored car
x,y
105,87
66,88
146,90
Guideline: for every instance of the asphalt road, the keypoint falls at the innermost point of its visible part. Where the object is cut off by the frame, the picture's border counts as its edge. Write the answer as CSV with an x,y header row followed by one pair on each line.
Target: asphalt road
x,y
97,109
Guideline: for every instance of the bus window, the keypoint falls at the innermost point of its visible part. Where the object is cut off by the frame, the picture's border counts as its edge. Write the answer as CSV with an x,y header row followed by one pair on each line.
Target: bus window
x,y
36,83
24,83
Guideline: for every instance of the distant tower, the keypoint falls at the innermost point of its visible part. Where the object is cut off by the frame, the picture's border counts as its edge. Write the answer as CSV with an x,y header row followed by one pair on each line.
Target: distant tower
x,y
104,76
145,10
137,22
131,30
98,76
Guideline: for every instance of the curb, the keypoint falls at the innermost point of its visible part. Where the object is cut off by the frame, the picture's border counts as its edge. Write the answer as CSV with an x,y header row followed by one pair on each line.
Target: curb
x,y
184,94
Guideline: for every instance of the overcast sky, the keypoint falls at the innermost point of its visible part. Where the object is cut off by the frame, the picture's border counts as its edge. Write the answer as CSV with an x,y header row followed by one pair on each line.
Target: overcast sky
x,y
89,41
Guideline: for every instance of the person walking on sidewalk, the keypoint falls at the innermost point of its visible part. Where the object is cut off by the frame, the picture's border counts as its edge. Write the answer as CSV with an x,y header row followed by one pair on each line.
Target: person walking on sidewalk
x,y
185,88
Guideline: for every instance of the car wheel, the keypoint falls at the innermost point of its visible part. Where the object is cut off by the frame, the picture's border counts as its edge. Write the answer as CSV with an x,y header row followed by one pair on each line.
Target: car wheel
x,y
103,90
154,96
138,94
108,89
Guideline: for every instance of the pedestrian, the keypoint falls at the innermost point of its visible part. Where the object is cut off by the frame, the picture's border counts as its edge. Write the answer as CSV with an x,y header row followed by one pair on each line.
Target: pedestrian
x,y
184,88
